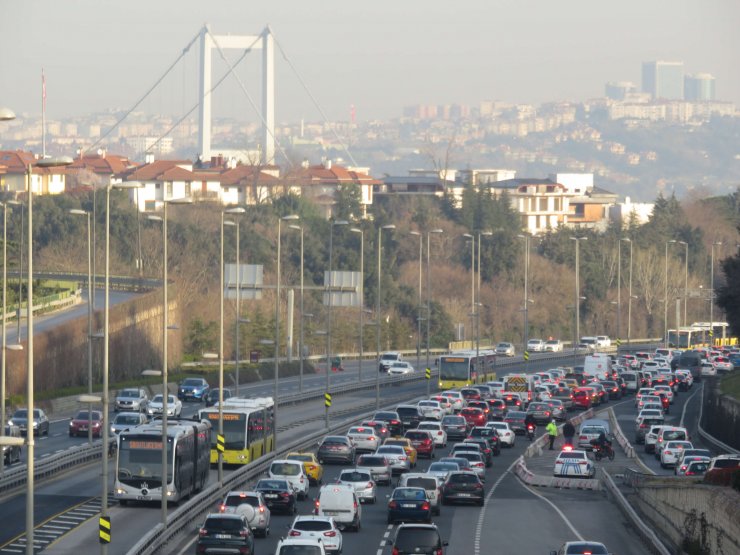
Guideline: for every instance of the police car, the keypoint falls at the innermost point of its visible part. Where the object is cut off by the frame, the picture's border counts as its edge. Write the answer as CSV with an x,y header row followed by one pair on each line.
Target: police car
x,y
574,463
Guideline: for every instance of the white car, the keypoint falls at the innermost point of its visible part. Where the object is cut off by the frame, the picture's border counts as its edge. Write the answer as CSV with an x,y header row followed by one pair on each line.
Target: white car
x,y
438,434
665,390
603,341
505,349
174,406
319,529
722,364
506,434
574,462
362,480
364,438
498,388
456,398
430,408
672,451
289,546
553,346
396,456
535,345
399,368
444,402
291,471
708,369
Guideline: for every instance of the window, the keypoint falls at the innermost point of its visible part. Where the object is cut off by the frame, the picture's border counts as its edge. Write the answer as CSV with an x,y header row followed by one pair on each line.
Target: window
x,y
187,188
169,189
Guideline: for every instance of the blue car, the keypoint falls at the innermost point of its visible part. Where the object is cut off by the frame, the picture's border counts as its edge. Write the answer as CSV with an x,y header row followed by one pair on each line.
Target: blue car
x,y
409,504
195,389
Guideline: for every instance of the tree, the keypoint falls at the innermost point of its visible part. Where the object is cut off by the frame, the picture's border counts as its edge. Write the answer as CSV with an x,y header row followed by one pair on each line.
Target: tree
x,y
728,295
202,337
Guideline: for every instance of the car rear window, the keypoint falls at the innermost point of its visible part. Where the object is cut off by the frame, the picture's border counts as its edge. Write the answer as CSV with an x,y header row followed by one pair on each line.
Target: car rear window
x,y
417,435
371,461
426,483
312,525
572,455
285,469
226,524
410,540
454,420
299,550
592,430
463,478
236,500
726,463
671,435
354,476
408,411
581,548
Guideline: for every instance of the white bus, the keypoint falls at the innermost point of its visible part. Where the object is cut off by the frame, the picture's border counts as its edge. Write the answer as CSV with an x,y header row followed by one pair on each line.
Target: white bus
x,y
139,461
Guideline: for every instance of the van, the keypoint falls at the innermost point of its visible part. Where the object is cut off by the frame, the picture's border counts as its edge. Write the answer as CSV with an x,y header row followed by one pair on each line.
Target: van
x,y
588,342
340,502
430,484
293,472
598,365
631,380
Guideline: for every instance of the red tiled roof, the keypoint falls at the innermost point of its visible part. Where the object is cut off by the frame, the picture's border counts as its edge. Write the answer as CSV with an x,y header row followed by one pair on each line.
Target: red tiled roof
x,y
335,175
104,164
241,175
17,161
162,170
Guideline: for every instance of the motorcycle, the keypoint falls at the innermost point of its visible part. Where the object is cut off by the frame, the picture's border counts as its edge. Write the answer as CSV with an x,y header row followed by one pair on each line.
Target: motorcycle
x,y
601,452
530,432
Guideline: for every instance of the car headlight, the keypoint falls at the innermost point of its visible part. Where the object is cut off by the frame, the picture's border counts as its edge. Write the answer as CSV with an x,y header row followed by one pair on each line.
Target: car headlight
x,y
71,424
10,423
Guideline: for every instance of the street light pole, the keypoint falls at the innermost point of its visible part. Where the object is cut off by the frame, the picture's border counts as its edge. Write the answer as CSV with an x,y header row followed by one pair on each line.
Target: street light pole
x,y
629,302
276,354
237,321
478,304
330,300
578,293
619,292
525,334
686,281
362,297
429,303
471,237
300,338
377,315
711,292
418,311
665,296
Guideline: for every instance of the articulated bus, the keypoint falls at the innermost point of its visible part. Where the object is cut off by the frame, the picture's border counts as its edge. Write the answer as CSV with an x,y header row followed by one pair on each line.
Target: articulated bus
x,y
465,368
698,335
248,429
139,461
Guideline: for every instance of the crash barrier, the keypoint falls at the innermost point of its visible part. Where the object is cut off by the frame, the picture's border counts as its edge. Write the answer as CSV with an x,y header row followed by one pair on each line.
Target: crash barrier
x,y
535,449
182,519
648,536
619,435
706,435
532,479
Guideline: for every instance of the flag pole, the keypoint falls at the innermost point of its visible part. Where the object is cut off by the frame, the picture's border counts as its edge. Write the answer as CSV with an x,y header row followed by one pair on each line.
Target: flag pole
x,y
43,114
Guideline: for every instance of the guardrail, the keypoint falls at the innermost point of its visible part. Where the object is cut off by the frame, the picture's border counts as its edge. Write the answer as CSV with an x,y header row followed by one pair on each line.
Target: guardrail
x,y
619,435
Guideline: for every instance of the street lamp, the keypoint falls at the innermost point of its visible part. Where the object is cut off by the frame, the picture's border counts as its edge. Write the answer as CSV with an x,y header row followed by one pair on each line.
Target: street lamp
x,y
686,280
471,238
418,312
362,297
43,163
429,302
388,227
478,304
300,338
525,335
711,292
665,296
85,213
329,307
578,293
629,302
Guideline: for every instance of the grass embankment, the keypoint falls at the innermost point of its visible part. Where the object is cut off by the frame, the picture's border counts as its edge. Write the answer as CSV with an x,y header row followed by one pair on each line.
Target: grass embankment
x,y
731,384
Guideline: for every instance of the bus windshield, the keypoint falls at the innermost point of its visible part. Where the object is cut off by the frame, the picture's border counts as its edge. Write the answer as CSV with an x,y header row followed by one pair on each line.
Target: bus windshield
x,y
235,429
141,458
454,368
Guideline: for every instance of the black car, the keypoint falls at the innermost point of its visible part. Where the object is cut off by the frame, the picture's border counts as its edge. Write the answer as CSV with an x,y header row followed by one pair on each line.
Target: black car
x,y
456,427
395,426
498,409
490,435
419,539
278,494
462,486
225,533
410,416
613,389
515,419
212,397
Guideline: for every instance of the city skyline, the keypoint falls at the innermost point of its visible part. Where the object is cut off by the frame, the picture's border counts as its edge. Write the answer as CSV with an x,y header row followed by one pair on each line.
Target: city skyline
x,y
377,59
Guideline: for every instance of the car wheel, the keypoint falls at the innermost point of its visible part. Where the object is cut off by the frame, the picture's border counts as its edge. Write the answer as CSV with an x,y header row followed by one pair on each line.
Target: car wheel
x,y
390,520
480,502
123,502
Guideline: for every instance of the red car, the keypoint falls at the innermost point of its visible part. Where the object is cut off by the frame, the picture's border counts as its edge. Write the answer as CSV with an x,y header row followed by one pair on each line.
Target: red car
x,y
482,405
423,442
582,398
78,425
474,416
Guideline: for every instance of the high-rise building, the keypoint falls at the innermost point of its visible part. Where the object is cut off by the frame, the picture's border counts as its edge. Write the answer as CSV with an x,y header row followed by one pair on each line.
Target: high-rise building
x,y
620,90
699,87
663,80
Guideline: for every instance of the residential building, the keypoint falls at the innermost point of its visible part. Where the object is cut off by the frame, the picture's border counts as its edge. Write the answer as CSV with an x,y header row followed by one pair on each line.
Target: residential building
x,y
44,181
591,209
542,203
663,80
629,213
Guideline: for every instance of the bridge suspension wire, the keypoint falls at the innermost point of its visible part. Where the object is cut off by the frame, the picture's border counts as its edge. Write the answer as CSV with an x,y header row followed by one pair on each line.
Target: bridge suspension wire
x,y
249,98
313,99
143,98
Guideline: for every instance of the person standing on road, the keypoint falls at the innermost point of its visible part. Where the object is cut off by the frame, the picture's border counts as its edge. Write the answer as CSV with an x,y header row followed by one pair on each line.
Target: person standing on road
x,y
552,432
569,430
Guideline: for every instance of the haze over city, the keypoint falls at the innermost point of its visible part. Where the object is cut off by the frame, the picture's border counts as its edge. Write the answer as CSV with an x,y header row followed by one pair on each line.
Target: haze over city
x,y
378,57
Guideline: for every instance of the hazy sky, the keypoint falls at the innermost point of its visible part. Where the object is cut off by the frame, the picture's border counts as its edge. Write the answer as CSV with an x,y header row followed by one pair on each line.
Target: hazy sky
x,y
379,56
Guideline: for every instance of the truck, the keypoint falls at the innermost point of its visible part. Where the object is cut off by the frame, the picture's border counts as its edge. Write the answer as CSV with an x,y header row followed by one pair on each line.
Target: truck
x,y
519,383
598,366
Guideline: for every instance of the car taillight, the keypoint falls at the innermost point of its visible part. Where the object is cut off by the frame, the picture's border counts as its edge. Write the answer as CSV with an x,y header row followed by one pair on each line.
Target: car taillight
x,y
392,505
330,533
425,506
478,486
395,551
284,494
221,508
243,533
202,532
583,462
316,504
395,422
369,485
262,507
667,452
402,458
294,533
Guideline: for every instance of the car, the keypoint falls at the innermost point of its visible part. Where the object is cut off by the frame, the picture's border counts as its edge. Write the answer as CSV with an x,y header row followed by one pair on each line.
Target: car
x,y
93,419
722,364
438,433
336,449
486,391
322,529
515,420
409,415
421,539
535,345
378,466
213,394
311,466
476,460
708,369
474,416
456,398
386,359
644,424
600,391
225,533
462,464
442,469
470,394
724,461
253,506
498,409
463,486
564,394
174,406
485,447
696,468
431,485
669,433
422,441
380,427
364,438
362,481
297,546
340,502
603,341
541,412
12,453
582,398
40,421
293,472
688,456
125,420
613,389
506,435
400,368
392,420
574,462
396,456
651,438
672,451
497,386
409,504
666,389
489,436
444,402
456,427
581,548
431,409
131,399
279,495
505,349
482,405
408,447
553,346
195,389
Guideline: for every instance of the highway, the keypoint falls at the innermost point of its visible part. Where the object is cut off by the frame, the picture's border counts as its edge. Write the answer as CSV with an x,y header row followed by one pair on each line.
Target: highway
x,y
510,506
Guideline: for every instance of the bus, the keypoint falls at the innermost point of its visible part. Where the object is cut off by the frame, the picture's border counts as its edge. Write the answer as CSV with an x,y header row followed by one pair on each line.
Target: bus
x,y
139,461
698,335
248,429
466,368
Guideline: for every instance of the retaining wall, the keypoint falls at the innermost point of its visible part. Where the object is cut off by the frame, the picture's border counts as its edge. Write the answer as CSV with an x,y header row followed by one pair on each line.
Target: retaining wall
x,y
721,413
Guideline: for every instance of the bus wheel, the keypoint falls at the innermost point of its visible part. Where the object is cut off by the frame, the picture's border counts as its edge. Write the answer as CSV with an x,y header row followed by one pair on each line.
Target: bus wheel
x,y
123,502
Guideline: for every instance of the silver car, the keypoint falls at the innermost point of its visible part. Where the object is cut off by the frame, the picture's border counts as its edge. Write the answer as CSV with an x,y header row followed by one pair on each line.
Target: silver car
x,y
396,456
131,399
362,481
125,420
379,467
40,422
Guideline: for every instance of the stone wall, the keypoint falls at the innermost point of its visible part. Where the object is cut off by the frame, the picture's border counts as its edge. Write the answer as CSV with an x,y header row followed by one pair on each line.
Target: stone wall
x,y
721,414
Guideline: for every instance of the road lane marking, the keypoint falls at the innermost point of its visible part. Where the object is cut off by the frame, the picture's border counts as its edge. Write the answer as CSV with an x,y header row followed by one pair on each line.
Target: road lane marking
x,y
383,542
686,404
546,500
482,513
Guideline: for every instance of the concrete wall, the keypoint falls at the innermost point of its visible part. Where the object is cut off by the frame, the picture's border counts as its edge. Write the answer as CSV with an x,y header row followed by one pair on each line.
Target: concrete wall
x,y
721,414
708,515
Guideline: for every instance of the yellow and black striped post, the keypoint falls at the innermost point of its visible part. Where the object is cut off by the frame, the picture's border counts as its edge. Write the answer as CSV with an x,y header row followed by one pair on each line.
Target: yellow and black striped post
x,y
104,526
429,374
220,443
327,400
526,355
619,343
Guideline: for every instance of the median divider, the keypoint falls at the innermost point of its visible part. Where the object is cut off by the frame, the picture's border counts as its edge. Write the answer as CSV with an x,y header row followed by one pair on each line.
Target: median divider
x,y
538,480
625,444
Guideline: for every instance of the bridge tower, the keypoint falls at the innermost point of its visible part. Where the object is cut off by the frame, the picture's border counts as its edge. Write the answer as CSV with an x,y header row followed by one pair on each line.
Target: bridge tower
x,y
264,41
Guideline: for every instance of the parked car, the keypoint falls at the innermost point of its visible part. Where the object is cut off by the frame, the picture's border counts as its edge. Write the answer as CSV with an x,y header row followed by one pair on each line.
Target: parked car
x,y
93,419
40,423
195,389
131,399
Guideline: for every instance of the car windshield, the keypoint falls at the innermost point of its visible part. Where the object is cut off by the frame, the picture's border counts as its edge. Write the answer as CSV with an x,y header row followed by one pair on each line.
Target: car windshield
x,y
192,381
463,478
391,450
409,493
300,550
129,393
83,415
300,457
386,416
312,525
408,411
443,467
127,419
420,482
417,435
410,539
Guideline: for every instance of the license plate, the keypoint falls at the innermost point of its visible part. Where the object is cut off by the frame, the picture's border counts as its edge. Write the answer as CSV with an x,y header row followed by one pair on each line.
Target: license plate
x,y
463,494
222,536
331,513
271,495
144,497
408,505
